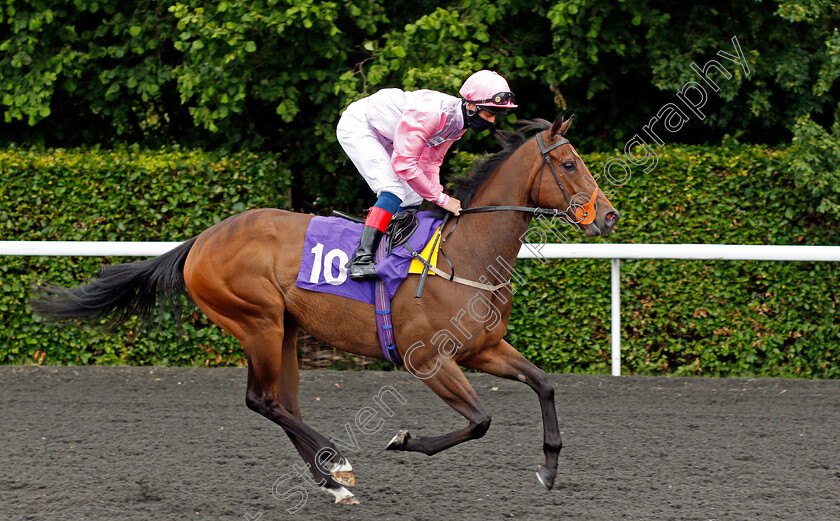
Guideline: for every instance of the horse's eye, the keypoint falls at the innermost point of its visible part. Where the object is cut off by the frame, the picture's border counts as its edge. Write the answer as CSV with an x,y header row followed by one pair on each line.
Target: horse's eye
x,y
569,166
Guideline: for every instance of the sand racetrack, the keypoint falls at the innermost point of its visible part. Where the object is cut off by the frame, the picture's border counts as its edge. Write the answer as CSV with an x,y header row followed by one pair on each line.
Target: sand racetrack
x,y
132,443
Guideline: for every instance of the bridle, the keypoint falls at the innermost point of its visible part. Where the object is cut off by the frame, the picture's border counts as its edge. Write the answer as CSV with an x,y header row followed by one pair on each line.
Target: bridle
x,y
545,151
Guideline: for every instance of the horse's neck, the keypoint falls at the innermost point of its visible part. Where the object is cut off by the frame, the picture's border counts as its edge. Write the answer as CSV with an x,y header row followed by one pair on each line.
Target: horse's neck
x,y
480,239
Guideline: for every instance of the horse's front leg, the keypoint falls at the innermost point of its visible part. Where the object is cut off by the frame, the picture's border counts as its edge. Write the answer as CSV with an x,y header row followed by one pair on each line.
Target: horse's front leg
x,y
452,386
506,362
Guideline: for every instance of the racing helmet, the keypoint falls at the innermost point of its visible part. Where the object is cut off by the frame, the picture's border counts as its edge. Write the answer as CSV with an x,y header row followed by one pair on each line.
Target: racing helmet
x,y
490,91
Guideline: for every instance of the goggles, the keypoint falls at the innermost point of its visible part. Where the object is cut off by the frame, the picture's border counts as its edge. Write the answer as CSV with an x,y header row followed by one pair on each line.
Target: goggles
x,y
491,104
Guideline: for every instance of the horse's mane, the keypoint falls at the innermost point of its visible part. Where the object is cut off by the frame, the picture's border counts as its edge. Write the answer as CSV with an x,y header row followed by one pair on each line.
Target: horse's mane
x,y
480,172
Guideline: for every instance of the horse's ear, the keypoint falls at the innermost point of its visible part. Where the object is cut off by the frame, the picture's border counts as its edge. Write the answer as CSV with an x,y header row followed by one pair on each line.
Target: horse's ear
x,y
561,125
555,128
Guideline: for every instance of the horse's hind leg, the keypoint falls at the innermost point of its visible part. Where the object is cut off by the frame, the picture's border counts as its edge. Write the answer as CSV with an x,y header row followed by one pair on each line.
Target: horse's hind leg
x,y
506,362
272,392
452,386
341,470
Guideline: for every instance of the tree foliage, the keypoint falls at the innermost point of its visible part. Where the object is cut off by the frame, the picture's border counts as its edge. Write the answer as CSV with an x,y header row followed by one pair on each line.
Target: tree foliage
x,y
274,75
816,163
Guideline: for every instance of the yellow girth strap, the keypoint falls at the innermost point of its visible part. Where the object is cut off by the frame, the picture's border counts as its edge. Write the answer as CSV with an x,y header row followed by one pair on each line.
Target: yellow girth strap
x,y
417,266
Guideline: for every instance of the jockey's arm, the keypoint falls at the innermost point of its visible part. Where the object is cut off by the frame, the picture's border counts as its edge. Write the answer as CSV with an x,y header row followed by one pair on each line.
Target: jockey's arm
x,y
413,162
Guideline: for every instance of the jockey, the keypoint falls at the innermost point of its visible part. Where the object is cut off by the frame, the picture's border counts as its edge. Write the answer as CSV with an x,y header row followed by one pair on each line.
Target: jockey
x,y
397,141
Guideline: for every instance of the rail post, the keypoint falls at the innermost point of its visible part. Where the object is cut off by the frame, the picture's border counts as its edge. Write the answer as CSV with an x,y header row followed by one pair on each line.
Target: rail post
x,y
615,327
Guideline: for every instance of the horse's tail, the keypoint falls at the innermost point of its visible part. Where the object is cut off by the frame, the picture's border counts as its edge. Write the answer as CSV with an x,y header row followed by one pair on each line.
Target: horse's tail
x,y
120,292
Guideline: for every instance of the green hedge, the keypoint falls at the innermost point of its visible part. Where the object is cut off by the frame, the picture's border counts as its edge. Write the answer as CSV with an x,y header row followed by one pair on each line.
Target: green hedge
x,y
678,317
112,195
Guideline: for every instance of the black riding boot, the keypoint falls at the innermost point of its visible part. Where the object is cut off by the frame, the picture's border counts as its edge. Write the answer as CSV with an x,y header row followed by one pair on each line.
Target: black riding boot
x,y
361,265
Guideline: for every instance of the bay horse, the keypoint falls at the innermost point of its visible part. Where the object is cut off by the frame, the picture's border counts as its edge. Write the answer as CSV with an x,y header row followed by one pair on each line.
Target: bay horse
x,y
241,273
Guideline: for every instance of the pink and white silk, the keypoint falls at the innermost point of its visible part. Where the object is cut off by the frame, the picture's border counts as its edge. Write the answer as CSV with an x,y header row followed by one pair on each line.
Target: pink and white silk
x,y
416,128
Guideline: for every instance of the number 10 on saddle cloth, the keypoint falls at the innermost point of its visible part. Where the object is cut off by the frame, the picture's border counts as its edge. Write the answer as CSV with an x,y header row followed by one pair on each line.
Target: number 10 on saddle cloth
x,y
331,241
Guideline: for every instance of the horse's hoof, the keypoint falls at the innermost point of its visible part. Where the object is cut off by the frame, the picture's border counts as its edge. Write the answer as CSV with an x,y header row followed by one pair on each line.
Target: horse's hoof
x,y
345,477
347,501
545,477
342,496
398,441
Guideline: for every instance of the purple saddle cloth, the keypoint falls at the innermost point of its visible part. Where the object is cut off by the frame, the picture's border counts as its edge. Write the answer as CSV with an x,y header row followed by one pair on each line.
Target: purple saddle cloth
x,y
332,241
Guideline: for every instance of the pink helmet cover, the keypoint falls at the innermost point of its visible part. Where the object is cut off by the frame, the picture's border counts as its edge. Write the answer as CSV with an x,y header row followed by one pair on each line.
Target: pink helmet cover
x,y
483,86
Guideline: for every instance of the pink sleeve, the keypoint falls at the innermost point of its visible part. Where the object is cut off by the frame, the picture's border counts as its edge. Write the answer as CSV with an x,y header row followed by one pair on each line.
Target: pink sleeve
x,y
411,159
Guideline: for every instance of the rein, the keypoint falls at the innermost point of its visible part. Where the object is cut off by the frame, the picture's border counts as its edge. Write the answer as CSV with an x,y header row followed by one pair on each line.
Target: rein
x,y
544,212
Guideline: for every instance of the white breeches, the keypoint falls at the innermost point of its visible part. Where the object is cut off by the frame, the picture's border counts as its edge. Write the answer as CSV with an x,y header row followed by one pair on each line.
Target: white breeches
x,y
372,159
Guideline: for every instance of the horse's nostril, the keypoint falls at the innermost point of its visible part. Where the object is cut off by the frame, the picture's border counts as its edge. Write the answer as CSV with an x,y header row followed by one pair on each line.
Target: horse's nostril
x,y
611,218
